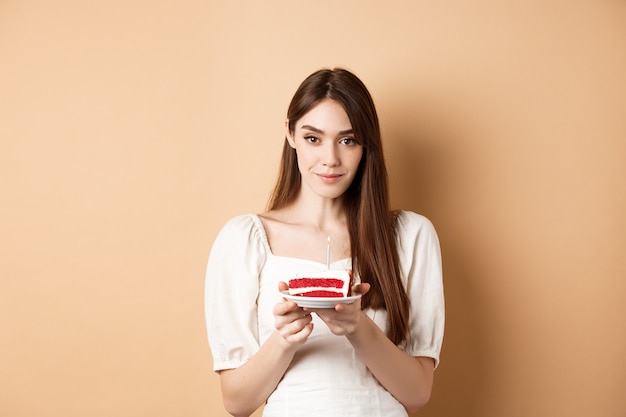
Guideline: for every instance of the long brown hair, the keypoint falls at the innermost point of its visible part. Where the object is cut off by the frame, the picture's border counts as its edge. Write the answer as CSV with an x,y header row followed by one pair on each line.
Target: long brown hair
x,y
371,224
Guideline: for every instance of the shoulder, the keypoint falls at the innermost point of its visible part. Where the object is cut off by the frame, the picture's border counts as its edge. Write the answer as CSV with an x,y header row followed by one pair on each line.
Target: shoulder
x,y
415,234
242,227
409,222
239,240
239,222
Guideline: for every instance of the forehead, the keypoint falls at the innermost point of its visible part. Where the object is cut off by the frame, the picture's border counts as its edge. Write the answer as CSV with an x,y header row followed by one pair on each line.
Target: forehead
x,y
327,115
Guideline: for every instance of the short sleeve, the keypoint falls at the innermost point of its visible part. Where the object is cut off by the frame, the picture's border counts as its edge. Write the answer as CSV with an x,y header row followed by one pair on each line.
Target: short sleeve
x,y
420,261
231,291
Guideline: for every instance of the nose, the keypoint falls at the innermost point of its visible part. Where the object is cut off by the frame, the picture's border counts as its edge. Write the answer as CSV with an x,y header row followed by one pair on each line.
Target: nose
x,y
331,155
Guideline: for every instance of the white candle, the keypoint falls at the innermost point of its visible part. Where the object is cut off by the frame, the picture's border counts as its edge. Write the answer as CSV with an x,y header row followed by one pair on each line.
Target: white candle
x,y
328,254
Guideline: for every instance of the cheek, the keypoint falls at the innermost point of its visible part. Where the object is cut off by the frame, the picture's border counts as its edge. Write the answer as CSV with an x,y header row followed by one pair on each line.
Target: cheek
x,y
303,162
356,158
301,157
307,156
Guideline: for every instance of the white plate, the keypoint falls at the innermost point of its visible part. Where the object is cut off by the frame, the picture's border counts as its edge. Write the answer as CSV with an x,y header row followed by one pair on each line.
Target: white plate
x,y
319,302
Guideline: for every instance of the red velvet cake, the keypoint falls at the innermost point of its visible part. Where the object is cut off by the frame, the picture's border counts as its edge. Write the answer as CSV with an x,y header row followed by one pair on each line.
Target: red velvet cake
x,y
331,283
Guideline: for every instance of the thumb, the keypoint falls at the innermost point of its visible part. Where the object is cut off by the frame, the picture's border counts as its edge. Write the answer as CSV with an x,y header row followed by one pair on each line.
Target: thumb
x,y
361,288
282,286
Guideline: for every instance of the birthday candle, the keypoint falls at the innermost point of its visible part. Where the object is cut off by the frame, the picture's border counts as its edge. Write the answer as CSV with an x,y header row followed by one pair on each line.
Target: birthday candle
x,y
328,254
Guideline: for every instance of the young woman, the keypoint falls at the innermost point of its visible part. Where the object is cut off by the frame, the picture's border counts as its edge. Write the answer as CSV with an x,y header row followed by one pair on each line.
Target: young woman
x,y
373,357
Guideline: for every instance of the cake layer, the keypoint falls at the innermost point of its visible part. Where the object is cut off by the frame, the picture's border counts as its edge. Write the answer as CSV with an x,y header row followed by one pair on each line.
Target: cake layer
x,y
331,283
316,282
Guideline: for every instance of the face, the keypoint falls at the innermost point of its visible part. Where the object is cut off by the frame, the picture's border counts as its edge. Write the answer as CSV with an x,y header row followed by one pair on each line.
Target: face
x,y
328,153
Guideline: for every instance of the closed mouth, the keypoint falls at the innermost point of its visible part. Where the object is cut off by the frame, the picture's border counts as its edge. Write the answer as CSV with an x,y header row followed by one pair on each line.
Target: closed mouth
x,y
330,178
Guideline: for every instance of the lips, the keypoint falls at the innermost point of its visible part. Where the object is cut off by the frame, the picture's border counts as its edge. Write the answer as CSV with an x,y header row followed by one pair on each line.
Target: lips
x,y
330,178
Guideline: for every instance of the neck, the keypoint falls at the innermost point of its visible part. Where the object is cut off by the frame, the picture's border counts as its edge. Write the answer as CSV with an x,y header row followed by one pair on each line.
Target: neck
x,y
324,214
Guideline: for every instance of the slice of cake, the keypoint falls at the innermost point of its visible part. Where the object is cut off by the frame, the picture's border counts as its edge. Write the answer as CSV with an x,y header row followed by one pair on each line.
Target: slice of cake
x,y
330,283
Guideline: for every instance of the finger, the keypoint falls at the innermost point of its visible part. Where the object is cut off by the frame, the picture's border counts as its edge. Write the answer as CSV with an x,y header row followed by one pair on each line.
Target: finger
x,y
284,307
346,308
301,336
361,288
294,326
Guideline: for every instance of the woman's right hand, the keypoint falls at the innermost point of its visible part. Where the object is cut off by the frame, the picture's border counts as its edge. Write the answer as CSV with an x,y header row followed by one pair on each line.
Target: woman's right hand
x,y
292,322
248,386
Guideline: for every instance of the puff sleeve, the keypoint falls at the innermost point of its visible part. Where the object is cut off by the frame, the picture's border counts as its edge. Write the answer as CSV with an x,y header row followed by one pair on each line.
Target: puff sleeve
x,y
421,266
231,291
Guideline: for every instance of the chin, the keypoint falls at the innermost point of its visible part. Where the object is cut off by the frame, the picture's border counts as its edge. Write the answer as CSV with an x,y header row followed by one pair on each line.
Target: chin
x,y
326,191
332,196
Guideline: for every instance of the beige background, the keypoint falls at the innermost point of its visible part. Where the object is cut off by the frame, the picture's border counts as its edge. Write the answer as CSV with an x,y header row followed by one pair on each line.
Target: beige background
x,y
132,130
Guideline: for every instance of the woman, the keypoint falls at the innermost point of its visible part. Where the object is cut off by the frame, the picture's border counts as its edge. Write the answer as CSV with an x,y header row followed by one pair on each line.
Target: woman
x,y
374,357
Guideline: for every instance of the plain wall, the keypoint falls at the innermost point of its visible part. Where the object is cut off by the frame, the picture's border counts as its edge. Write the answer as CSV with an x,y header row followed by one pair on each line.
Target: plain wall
x,y
132,130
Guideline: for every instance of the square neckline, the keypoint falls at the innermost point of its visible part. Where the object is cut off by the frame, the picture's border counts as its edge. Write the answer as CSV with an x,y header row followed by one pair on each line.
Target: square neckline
x,y
266,243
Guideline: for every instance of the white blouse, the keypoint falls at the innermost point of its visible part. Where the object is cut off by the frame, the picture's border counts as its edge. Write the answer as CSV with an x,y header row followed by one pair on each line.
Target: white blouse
x,y
325,378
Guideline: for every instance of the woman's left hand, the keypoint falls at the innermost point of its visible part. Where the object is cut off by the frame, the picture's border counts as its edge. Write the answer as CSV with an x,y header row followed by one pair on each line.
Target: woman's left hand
x,y
344,318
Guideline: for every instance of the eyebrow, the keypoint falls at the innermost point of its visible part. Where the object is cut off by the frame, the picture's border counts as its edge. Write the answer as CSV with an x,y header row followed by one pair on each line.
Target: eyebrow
x,y
316,130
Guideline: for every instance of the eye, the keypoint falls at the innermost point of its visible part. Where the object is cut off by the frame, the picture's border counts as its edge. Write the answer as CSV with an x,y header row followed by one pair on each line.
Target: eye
x,y
348,141
311,139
